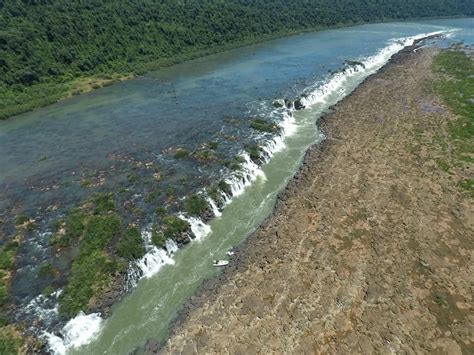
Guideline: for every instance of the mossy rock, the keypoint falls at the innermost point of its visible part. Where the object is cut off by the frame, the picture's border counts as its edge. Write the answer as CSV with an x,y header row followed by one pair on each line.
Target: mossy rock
x,y
263,125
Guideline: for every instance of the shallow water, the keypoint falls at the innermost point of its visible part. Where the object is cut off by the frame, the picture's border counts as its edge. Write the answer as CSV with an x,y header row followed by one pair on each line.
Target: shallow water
x,y
184,105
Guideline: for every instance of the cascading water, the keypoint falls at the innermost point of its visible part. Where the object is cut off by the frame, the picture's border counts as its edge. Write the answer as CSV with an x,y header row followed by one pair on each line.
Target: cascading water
x,y
198,227
84,328
215,209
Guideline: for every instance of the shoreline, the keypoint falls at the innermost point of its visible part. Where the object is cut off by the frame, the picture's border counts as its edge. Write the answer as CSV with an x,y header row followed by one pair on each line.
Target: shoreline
x,y
316,156
88,84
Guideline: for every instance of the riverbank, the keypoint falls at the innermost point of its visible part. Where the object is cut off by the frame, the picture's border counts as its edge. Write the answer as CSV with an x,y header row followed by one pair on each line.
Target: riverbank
x,y
53,90
368,248
45,94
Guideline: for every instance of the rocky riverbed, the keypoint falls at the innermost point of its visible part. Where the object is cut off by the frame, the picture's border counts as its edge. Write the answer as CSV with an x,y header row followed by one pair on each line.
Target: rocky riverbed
x,y
369,248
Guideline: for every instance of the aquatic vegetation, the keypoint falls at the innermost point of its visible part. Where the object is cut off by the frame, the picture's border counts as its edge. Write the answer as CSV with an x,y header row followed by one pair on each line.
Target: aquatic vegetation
x,y
170,191
104,202
213,145
263,125
7,263
195,205
70,230
157,238
46,269
173,226
86,183
48,290
21,219
91,274
131,245
253,151
93,228
205,155
225,187
151,196
213,192
232,165
160,211
181,153
133,178
98,231
7,255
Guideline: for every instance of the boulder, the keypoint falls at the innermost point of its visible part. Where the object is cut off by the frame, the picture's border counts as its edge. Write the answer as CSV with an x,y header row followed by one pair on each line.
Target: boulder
x,y
298,104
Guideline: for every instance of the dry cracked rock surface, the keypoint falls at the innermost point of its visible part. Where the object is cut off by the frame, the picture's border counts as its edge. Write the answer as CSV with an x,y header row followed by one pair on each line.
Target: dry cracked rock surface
x,y
370,250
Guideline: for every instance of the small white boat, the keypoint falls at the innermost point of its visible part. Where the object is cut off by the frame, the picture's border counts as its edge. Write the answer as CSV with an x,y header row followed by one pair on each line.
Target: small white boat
x,y
230,253
220,262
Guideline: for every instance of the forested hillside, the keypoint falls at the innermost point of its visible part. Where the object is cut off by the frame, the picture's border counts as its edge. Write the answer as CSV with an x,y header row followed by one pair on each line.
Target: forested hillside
x,y
51,49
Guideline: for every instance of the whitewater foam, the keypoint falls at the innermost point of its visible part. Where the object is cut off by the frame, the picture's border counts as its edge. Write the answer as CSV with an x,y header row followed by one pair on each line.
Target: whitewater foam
x,y
79,331
335,83
250,172
198,227
215,209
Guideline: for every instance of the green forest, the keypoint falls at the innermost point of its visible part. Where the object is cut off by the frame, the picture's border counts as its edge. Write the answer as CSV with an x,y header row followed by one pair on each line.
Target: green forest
x,y
52,49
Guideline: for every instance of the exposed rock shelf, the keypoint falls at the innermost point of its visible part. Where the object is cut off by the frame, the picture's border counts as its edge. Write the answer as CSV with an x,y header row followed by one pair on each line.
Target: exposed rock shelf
x,y
369,248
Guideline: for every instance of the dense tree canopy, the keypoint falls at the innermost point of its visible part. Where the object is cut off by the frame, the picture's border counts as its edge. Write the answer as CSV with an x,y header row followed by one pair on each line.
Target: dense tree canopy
x,y
48,42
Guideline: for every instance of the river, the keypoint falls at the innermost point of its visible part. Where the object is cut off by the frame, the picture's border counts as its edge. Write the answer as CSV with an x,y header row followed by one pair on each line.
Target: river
x,y
47,155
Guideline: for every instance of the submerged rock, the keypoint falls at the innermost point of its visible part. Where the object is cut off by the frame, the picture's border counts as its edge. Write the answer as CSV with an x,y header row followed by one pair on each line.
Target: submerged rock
x,y
152,346
278,103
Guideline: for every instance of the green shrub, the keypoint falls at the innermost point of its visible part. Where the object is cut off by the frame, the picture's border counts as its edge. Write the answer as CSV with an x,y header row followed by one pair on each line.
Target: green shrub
x,y
173,226
74,226
104,202
158,238
89,275
262,125
48,290
254,152
7,255
225,187
133,178
181,153
213,193
213,145
170,191
131,245
195,205
151,197
160,211
99,231
21,219
205,155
